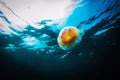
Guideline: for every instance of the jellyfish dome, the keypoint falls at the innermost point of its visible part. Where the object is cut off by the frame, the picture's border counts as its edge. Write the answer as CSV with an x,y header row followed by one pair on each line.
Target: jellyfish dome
x,y
69,37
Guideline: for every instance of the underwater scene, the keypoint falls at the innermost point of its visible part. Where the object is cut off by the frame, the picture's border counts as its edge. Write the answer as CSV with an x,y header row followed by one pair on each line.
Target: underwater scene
x,y
59,39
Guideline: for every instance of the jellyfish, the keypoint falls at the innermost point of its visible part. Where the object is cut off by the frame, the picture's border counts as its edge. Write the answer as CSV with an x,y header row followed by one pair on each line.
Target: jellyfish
x,y
69,37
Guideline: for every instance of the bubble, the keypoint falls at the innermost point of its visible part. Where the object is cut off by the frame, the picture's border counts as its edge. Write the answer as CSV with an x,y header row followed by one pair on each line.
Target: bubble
x,y
69,37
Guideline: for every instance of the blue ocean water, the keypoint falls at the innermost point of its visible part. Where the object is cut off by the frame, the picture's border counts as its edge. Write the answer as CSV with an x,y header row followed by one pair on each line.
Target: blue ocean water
x,y
30,44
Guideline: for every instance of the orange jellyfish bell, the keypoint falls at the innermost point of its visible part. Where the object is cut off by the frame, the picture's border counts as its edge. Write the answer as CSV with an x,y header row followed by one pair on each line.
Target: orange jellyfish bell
x,y
69,37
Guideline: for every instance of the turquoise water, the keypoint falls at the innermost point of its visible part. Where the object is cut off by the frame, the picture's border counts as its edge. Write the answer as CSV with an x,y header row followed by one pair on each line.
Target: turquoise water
x,y
94,16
